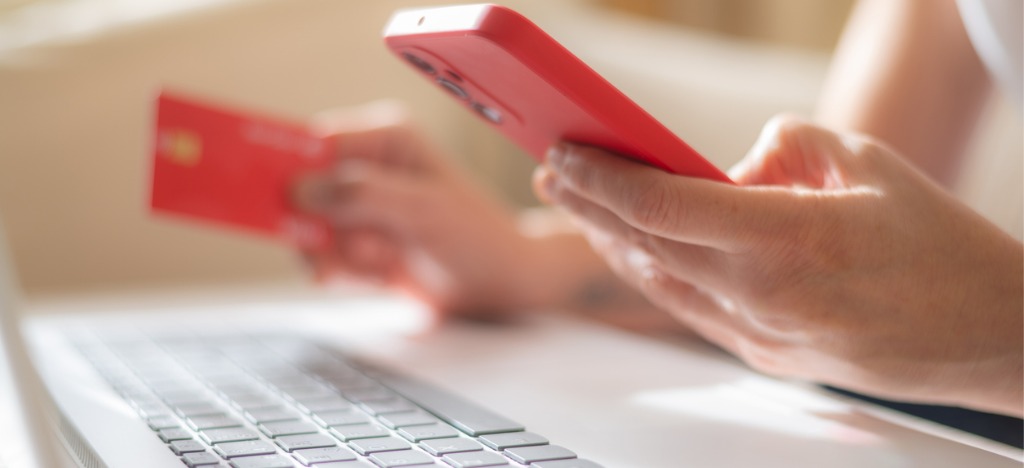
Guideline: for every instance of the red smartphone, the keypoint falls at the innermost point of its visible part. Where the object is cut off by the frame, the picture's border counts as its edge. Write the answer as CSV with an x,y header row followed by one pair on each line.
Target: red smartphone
x,y
515,76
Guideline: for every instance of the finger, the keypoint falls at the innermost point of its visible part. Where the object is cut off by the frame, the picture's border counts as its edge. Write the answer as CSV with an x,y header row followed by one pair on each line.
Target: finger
x,y
379,131
685,209
640,271
368,195
369,252
365,255
791,151
695,263
311,193
715,320
317,263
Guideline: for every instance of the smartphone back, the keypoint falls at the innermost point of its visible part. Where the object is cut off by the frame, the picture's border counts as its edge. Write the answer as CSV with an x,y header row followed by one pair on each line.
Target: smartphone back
x,y
531,88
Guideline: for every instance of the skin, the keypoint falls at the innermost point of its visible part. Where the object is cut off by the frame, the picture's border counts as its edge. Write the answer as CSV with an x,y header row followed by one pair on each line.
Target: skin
x,y
832,260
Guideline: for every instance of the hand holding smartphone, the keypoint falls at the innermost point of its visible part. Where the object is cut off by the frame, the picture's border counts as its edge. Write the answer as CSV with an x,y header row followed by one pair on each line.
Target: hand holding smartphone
x,y
529,87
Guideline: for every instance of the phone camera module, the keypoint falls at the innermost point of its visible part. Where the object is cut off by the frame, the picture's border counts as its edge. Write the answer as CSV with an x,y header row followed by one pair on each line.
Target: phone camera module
x,y
423,65
491,114
453,88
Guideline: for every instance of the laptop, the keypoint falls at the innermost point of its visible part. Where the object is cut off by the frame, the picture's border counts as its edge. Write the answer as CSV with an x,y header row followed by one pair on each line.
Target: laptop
x,y
359,381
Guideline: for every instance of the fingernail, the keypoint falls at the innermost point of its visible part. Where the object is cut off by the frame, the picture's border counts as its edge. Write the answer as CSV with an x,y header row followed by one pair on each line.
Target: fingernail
x,y
546,184
551,186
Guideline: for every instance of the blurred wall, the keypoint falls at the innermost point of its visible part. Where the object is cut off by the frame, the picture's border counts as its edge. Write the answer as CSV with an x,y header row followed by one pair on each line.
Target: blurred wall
x,y
814,24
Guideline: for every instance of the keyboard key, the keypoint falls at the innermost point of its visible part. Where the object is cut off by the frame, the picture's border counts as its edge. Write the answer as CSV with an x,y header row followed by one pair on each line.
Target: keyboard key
x,y
245,448
340,418
200,459
433,431
574,463
164,422
283,428
307,393
474,459
370,394
263,461
253,401
180,447
304,441
271,414
198,409
440,447
320,405
415,418
466,416
358,431
153,411
378,408
200,423
527,455
378,444
234,434
355,382
351,464
168,435
401,458
289,379
185,398
512,439
322,455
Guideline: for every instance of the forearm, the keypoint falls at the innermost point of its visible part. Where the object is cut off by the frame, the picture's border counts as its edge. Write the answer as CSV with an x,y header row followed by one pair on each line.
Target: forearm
x,y
906,73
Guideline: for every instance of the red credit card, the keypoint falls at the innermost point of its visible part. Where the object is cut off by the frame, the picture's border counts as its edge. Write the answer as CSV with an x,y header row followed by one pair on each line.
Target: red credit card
x,y
234,168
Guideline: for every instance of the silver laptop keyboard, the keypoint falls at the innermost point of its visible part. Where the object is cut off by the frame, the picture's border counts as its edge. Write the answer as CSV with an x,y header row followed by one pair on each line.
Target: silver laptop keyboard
x,y
268,402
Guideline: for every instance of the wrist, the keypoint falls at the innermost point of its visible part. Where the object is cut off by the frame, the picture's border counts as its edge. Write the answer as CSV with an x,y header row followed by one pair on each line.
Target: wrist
x,y
996,380
550,262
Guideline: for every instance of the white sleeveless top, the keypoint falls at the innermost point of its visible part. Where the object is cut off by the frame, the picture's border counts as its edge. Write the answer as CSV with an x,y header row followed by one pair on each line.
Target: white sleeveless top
x,y
993,182
996,28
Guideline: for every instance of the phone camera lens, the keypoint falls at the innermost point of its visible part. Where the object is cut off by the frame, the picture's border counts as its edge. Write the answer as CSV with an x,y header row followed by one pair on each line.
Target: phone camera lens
x,y
488,113
453,88
423,65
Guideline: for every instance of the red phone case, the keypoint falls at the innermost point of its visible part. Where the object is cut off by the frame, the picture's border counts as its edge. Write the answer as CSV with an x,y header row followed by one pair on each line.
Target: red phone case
x,y
531,88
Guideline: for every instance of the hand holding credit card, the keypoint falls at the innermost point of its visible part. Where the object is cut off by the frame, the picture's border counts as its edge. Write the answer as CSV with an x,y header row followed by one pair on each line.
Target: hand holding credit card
x,y
234,169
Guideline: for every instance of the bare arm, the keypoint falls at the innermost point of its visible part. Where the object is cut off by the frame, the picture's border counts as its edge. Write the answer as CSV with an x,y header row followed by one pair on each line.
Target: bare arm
x,y
906,73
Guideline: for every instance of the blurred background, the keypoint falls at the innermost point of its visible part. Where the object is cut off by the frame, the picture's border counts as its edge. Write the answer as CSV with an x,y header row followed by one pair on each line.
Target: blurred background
x,y
78,78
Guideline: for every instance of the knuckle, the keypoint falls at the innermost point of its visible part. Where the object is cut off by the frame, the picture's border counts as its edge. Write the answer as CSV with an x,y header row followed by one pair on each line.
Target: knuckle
x,y
574,166
788,123
643,241
654,206
352,192
786,323
796,259
784,126
659,288
759,355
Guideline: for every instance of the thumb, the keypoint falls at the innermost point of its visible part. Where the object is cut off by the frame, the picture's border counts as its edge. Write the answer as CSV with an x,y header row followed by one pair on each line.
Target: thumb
x,y
794,152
